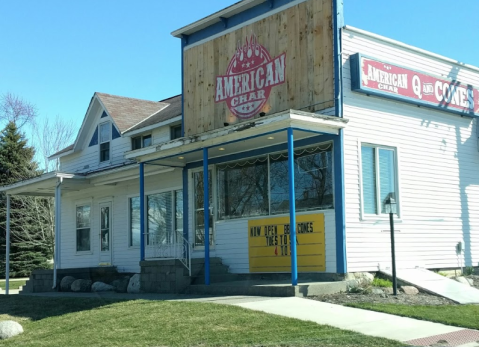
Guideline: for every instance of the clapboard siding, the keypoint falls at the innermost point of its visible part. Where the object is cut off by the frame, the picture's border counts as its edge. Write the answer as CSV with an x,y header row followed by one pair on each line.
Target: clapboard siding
x,y
438,162
124,257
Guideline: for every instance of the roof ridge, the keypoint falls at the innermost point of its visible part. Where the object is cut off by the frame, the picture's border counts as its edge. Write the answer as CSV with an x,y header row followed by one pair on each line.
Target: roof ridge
x,y
125,97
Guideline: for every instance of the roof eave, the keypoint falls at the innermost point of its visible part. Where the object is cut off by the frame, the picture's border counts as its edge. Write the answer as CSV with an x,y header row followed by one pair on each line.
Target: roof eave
x,y
215,17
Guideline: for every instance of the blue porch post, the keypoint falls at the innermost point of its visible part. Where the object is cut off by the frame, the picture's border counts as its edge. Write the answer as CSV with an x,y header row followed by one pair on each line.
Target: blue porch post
x,y
206,205
292,209
142,211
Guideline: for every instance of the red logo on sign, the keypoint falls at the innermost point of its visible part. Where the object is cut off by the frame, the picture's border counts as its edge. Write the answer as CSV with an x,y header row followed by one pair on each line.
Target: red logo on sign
x,y
250,76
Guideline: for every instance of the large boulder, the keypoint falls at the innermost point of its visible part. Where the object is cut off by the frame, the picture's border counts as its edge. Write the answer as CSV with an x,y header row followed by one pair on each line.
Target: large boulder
x,y
134,284
9,328
121,285
65,284
101,287
410,290
81,286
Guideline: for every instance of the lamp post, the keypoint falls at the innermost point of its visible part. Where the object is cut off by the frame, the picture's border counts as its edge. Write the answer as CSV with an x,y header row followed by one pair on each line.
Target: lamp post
x,y
391,208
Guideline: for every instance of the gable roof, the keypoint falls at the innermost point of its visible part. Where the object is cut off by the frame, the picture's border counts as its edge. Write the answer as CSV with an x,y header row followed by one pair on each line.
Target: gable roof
x,y
127,112
172,110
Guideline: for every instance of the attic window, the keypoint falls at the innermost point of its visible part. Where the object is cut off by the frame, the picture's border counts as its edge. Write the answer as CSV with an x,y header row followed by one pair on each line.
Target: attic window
x,y
140,141
105,137
175,131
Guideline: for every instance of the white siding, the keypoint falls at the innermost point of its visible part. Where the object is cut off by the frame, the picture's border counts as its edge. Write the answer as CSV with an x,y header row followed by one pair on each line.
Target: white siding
x,y
438,165
124,257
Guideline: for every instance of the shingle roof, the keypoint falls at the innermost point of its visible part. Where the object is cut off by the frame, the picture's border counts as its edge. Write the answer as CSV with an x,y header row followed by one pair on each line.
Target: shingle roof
x,y
132,114
171,111
128,112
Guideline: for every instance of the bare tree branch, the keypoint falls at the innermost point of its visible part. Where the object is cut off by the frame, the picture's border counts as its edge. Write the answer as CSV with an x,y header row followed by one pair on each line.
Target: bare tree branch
x,y
17,110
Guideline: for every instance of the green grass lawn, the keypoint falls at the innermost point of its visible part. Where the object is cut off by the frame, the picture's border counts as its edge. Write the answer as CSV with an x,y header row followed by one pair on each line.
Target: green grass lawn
x,y
14,284
99,322
466,316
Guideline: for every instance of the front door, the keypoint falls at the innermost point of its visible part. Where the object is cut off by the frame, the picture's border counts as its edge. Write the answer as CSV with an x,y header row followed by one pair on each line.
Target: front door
x,y
105,234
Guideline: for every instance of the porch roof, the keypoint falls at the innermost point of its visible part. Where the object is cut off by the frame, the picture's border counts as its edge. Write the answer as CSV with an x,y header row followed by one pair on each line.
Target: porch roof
x,y
258,133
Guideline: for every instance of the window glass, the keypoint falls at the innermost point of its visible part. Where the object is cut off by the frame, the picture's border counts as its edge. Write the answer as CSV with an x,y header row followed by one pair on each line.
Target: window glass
x,y
387,176
105,130
134,221
378,177
243,189
179,211
105,151
136,143
146,140
160,218
313,180
368,161
199,209
175,132
83,228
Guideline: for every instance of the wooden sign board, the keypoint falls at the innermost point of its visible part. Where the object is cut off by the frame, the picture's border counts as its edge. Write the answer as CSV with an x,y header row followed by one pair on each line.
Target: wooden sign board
x,y
269,244
281,62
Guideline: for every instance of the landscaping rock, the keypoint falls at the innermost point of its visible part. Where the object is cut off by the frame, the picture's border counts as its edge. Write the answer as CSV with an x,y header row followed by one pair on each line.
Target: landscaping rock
x,y
65,284
9,328
377,291
134,284
81,286
389,290
410,290
364,277
121,285
463,280
101,287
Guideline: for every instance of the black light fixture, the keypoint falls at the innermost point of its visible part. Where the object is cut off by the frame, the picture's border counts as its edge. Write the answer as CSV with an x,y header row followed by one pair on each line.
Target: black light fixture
x,y
262,114
391,207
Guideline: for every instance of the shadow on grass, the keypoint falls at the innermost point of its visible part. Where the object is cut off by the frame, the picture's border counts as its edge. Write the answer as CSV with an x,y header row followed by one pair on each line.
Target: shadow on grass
x,y
36,308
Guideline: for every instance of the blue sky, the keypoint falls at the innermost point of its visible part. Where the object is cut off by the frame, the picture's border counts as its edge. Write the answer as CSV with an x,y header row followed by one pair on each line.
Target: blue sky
x,y
57,53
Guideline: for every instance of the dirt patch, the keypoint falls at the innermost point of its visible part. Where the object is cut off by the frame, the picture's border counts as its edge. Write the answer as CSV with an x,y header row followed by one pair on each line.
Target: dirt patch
x,y
383,296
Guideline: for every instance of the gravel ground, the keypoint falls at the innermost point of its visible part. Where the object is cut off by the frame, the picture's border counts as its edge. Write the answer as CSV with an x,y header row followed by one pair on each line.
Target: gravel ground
x,y
386,297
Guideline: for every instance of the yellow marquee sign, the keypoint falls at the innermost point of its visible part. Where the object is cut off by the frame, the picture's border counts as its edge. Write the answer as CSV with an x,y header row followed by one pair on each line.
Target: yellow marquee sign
x,y
269,244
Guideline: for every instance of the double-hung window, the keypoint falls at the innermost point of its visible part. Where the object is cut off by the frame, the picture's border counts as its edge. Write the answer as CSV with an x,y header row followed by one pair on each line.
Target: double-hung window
x,y
379,177
105,137
141,141
83,228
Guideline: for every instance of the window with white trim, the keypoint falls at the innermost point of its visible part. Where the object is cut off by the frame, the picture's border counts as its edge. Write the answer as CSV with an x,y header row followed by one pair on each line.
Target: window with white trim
x,y
83,228
379,177
105,138
141,141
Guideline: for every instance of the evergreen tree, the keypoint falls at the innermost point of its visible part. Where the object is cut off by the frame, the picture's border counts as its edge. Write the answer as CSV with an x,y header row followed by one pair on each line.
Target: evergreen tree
x,y
28,250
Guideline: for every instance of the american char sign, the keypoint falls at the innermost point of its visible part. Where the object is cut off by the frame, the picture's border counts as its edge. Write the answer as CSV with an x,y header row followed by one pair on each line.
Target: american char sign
x,y
249,78
375,77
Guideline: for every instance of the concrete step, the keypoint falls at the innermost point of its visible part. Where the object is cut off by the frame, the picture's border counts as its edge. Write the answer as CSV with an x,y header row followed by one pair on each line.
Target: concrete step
x,y
265,288
216,278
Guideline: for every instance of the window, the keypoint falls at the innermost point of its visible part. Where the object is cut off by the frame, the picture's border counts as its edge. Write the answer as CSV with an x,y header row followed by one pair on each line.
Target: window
x,y
83,228
165,218
175,131
105,136
379,177
260,186
200,208
134,222
141,141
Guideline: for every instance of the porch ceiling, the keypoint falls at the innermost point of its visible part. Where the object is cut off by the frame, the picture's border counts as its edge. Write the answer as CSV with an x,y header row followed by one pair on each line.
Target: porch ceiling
x,y
262,132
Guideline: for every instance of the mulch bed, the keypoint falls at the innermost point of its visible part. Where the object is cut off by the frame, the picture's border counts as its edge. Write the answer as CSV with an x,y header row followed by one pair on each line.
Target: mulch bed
x,y
387,298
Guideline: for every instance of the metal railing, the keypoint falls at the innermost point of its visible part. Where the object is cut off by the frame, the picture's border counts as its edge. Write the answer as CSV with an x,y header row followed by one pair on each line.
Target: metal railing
x,y
169,245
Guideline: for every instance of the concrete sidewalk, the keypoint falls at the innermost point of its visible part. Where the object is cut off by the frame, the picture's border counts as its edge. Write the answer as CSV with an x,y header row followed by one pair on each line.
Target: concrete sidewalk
x,y
410,331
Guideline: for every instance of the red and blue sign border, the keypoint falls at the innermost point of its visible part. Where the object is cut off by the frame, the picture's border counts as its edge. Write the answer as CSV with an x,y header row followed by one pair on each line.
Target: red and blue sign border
x,y
357,86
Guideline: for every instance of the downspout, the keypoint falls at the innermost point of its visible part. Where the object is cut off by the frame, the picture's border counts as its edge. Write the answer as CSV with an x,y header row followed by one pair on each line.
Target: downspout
x,y
340,207
56,252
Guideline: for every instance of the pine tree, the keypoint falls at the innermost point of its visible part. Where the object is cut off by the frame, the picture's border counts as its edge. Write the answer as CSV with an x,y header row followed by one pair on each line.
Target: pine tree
x,y
28,250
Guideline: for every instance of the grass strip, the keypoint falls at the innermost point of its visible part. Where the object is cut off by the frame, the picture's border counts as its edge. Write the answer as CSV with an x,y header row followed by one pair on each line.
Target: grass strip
x,y
100,322
466,316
